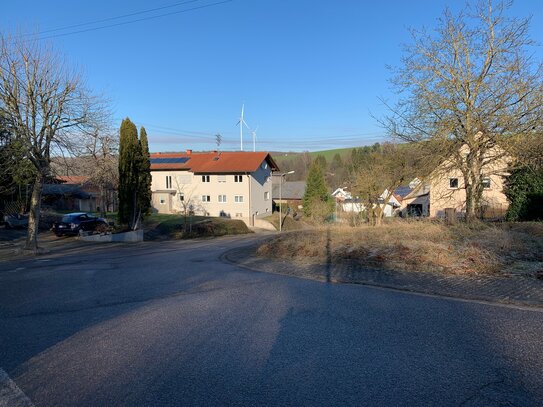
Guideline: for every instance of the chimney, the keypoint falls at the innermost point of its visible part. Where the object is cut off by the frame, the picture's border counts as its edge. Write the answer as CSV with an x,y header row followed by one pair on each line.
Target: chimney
x,y
189,152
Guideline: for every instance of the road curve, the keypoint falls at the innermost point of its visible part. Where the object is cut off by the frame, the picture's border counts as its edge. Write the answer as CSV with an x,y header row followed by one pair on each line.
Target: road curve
x,y
171,324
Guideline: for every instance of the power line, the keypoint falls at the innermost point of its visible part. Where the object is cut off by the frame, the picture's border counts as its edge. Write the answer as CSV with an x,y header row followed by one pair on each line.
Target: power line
x,y
164,128
298,140
134,21
294,141
174,131
110,18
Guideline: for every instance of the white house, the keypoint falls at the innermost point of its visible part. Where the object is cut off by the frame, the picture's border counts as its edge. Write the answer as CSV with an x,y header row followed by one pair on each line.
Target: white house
x,y
393,205
229,184
347,203
341,194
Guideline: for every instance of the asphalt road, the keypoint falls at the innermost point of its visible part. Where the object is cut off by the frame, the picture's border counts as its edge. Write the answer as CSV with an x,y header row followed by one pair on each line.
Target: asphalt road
x,y
171,324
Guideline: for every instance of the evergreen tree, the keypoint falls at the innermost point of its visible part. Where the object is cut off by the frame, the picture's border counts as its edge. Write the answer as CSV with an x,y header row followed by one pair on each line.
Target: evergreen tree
x,y
336,163
317,201
129,170
524,190
321,161
145,175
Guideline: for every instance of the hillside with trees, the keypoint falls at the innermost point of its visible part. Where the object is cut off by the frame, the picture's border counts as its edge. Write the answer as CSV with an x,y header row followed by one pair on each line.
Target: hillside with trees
x,y
338,166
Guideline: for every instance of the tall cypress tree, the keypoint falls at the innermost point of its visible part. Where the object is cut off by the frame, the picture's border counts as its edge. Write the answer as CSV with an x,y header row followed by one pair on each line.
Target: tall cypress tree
x,y
129,169
145,175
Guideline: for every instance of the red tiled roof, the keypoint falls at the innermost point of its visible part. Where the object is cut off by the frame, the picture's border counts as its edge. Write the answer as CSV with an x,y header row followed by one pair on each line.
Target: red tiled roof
x,y
214,162
73,179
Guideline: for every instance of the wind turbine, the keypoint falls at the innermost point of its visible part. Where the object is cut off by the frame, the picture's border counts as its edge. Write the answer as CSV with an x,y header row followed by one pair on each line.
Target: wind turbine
x,y
242,123
254,138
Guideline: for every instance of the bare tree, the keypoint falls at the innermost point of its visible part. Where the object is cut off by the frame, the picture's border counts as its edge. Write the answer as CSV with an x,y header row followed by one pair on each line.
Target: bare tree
x,y
47,107
98,163
187,200
380,172
102,166
469,87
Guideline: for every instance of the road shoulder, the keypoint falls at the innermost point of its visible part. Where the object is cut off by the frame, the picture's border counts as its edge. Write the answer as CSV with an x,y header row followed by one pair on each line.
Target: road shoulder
x,y
516,290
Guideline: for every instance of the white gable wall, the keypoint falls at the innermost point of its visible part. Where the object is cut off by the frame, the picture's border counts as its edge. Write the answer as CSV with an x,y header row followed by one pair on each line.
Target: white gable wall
x,y
222,190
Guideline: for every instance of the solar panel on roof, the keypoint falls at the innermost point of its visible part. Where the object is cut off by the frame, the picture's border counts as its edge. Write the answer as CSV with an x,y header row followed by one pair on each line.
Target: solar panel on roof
x,y
179,160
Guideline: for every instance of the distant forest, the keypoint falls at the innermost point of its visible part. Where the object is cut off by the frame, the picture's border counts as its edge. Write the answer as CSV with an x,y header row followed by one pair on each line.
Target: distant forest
x,y
337,165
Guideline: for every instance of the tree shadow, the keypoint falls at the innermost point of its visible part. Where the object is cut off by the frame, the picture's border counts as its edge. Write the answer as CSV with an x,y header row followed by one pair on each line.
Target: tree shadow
x,y
287,342
357,346
328,269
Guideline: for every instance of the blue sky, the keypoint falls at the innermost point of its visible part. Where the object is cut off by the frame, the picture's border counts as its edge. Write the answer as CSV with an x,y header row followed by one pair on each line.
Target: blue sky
x,y
310,72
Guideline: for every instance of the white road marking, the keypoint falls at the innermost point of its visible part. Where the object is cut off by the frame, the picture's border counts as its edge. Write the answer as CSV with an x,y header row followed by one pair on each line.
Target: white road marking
x,y
10,394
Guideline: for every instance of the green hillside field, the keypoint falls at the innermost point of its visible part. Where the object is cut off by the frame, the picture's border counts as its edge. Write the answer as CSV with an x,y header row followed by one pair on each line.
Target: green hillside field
x,y
283,157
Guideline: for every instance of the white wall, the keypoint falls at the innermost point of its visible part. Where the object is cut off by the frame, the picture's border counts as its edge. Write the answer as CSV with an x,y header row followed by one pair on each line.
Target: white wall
x,y
261,182
192,188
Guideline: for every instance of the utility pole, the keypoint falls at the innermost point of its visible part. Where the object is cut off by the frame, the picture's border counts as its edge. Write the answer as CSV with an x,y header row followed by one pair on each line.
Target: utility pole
x,y
281,199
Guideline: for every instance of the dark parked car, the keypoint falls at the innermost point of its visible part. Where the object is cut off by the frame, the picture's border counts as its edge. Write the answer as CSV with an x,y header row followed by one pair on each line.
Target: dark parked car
x,y
16,221
74,223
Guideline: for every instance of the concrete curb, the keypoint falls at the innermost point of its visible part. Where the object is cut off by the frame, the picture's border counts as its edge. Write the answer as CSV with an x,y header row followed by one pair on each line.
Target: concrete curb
x,y
519,291
127,237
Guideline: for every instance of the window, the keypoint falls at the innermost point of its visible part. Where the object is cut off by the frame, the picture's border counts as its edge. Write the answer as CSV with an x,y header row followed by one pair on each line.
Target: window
x,y
162,201
221,178
168,181
238,178
222,198
181,197
239,215
205,178
238,198
486,183
453,183
266,196
206,198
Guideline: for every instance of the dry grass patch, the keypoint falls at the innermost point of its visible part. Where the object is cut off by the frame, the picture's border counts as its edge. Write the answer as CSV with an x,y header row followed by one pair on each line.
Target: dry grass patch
x,y
419,246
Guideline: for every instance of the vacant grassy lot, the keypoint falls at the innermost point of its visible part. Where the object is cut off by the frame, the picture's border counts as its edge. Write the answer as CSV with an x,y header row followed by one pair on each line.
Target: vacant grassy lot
x,y
166,226
515,248
288,223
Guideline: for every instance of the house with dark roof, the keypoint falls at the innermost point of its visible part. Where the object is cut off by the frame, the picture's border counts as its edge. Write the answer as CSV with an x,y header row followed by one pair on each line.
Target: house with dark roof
x,y
229,184
71,196
288,191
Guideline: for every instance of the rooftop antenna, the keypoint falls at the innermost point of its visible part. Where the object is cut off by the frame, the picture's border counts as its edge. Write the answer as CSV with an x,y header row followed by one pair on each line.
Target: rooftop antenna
x,y
254,138
241,123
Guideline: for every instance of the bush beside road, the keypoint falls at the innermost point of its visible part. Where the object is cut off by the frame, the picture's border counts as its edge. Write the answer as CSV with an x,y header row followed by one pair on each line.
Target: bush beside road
x,y
165,226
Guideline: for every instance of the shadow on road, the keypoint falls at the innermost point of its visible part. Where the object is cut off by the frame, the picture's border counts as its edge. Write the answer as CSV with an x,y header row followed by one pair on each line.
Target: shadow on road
x,y
328,269
384,348
104,330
